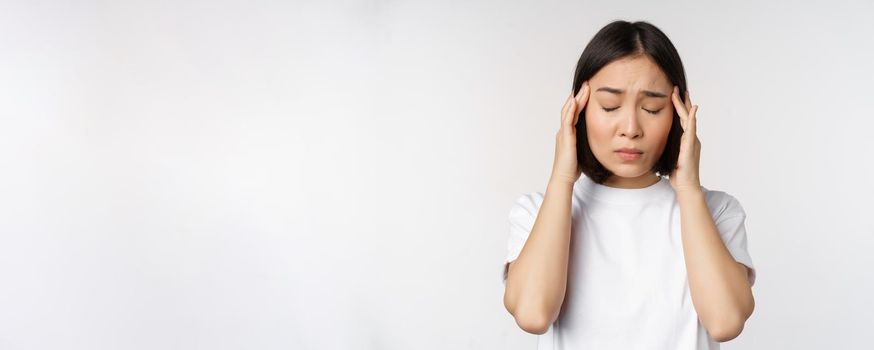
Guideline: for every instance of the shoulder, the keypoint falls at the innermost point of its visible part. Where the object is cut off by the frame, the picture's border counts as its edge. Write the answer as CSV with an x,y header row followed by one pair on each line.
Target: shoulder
x,y
722,204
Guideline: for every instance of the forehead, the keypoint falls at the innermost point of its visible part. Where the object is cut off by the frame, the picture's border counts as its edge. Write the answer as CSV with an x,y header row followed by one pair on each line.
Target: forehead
x,y
631,72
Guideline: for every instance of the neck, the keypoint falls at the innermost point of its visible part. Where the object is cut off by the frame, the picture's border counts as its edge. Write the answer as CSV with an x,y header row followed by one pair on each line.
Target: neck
x,y
642,181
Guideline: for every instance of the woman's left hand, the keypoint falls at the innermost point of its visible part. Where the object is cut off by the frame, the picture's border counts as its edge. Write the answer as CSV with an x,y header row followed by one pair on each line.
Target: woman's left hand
x,y
685,176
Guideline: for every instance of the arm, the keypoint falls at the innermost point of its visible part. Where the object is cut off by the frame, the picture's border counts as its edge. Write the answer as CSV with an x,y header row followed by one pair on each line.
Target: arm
x,y
719,286
537,279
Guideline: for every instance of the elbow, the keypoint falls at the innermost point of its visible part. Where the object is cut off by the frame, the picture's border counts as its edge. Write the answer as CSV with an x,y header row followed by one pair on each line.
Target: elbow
x,y
531,317
530,320
730,324
726,330
534,323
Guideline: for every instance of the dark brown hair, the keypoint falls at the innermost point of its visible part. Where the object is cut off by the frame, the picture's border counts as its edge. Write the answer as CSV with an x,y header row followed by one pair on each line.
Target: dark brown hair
x,y
618,40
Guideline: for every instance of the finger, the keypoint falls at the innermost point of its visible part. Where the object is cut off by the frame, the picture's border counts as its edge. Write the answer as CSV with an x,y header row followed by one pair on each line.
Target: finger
x,y
582,99
567,104
693,120
688,103
568,116
680,107
678,103
580,91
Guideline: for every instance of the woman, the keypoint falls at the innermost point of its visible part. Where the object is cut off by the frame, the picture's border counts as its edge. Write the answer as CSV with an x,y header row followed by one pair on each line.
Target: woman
x,y
636,254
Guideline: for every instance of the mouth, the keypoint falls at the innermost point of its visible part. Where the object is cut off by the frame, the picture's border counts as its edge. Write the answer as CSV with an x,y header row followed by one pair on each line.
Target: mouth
x,y
629,150
629,154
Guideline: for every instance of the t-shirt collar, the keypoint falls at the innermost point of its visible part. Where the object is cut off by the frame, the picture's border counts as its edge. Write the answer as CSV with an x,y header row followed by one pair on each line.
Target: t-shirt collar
x,y
658,190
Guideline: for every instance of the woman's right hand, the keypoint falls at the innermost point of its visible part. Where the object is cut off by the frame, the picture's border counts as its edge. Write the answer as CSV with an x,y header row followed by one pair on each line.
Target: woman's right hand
x,y
565,167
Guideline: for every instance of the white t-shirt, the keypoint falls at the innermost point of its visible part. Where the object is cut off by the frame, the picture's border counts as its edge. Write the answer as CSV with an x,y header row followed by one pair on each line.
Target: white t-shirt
x,y
627,286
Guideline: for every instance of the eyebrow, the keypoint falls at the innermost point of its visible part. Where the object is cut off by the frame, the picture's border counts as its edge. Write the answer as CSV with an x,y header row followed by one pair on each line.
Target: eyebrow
x,y
616,91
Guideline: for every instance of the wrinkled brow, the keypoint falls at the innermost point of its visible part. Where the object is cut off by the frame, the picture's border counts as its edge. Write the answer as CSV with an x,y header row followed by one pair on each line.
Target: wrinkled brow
x,y
616,91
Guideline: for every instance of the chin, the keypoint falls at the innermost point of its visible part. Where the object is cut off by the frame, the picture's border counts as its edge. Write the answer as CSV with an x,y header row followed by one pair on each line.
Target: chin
x,y
629,171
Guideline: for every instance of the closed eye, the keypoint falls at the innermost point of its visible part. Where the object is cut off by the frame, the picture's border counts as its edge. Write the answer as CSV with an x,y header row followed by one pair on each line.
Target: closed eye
x,y
615,108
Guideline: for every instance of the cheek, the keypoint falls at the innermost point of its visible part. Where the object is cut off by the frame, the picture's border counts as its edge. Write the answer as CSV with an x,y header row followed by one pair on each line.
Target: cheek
x,y
662,126
659,131
658,125
596,123
598,130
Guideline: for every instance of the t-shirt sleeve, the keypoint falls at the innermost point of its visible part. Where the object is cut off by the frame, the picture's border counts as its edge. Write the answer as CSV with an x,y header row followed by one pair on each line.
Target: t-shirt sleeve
x,y
522,215
730,221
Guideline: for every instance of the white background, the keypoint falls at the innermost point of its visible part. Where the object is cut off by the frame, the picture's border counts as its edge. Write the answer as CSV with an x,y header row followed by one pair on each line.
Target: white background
x,y
337,175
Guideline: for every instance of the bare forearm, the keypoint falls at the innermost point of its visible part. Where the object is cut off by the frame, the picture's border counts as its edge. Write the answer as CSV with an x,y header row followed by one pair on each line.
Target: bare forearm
x,y
537,279
718,284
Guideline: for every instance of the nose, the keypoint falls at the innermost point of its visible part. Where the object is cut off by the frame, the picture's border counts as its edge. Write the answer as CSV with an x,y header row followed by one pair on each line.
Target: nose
x,y
630,127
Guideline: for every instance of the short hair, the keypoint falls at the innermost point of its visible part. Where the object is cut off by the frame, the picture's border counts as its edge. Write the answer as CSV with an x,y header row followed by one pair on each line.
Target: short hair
x,y
622,39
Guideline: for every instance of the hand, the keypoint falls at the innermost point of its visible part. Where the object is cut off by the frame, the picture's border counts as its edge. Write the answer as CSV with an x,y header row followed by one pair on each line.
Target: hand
x,y
685,176
565,167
